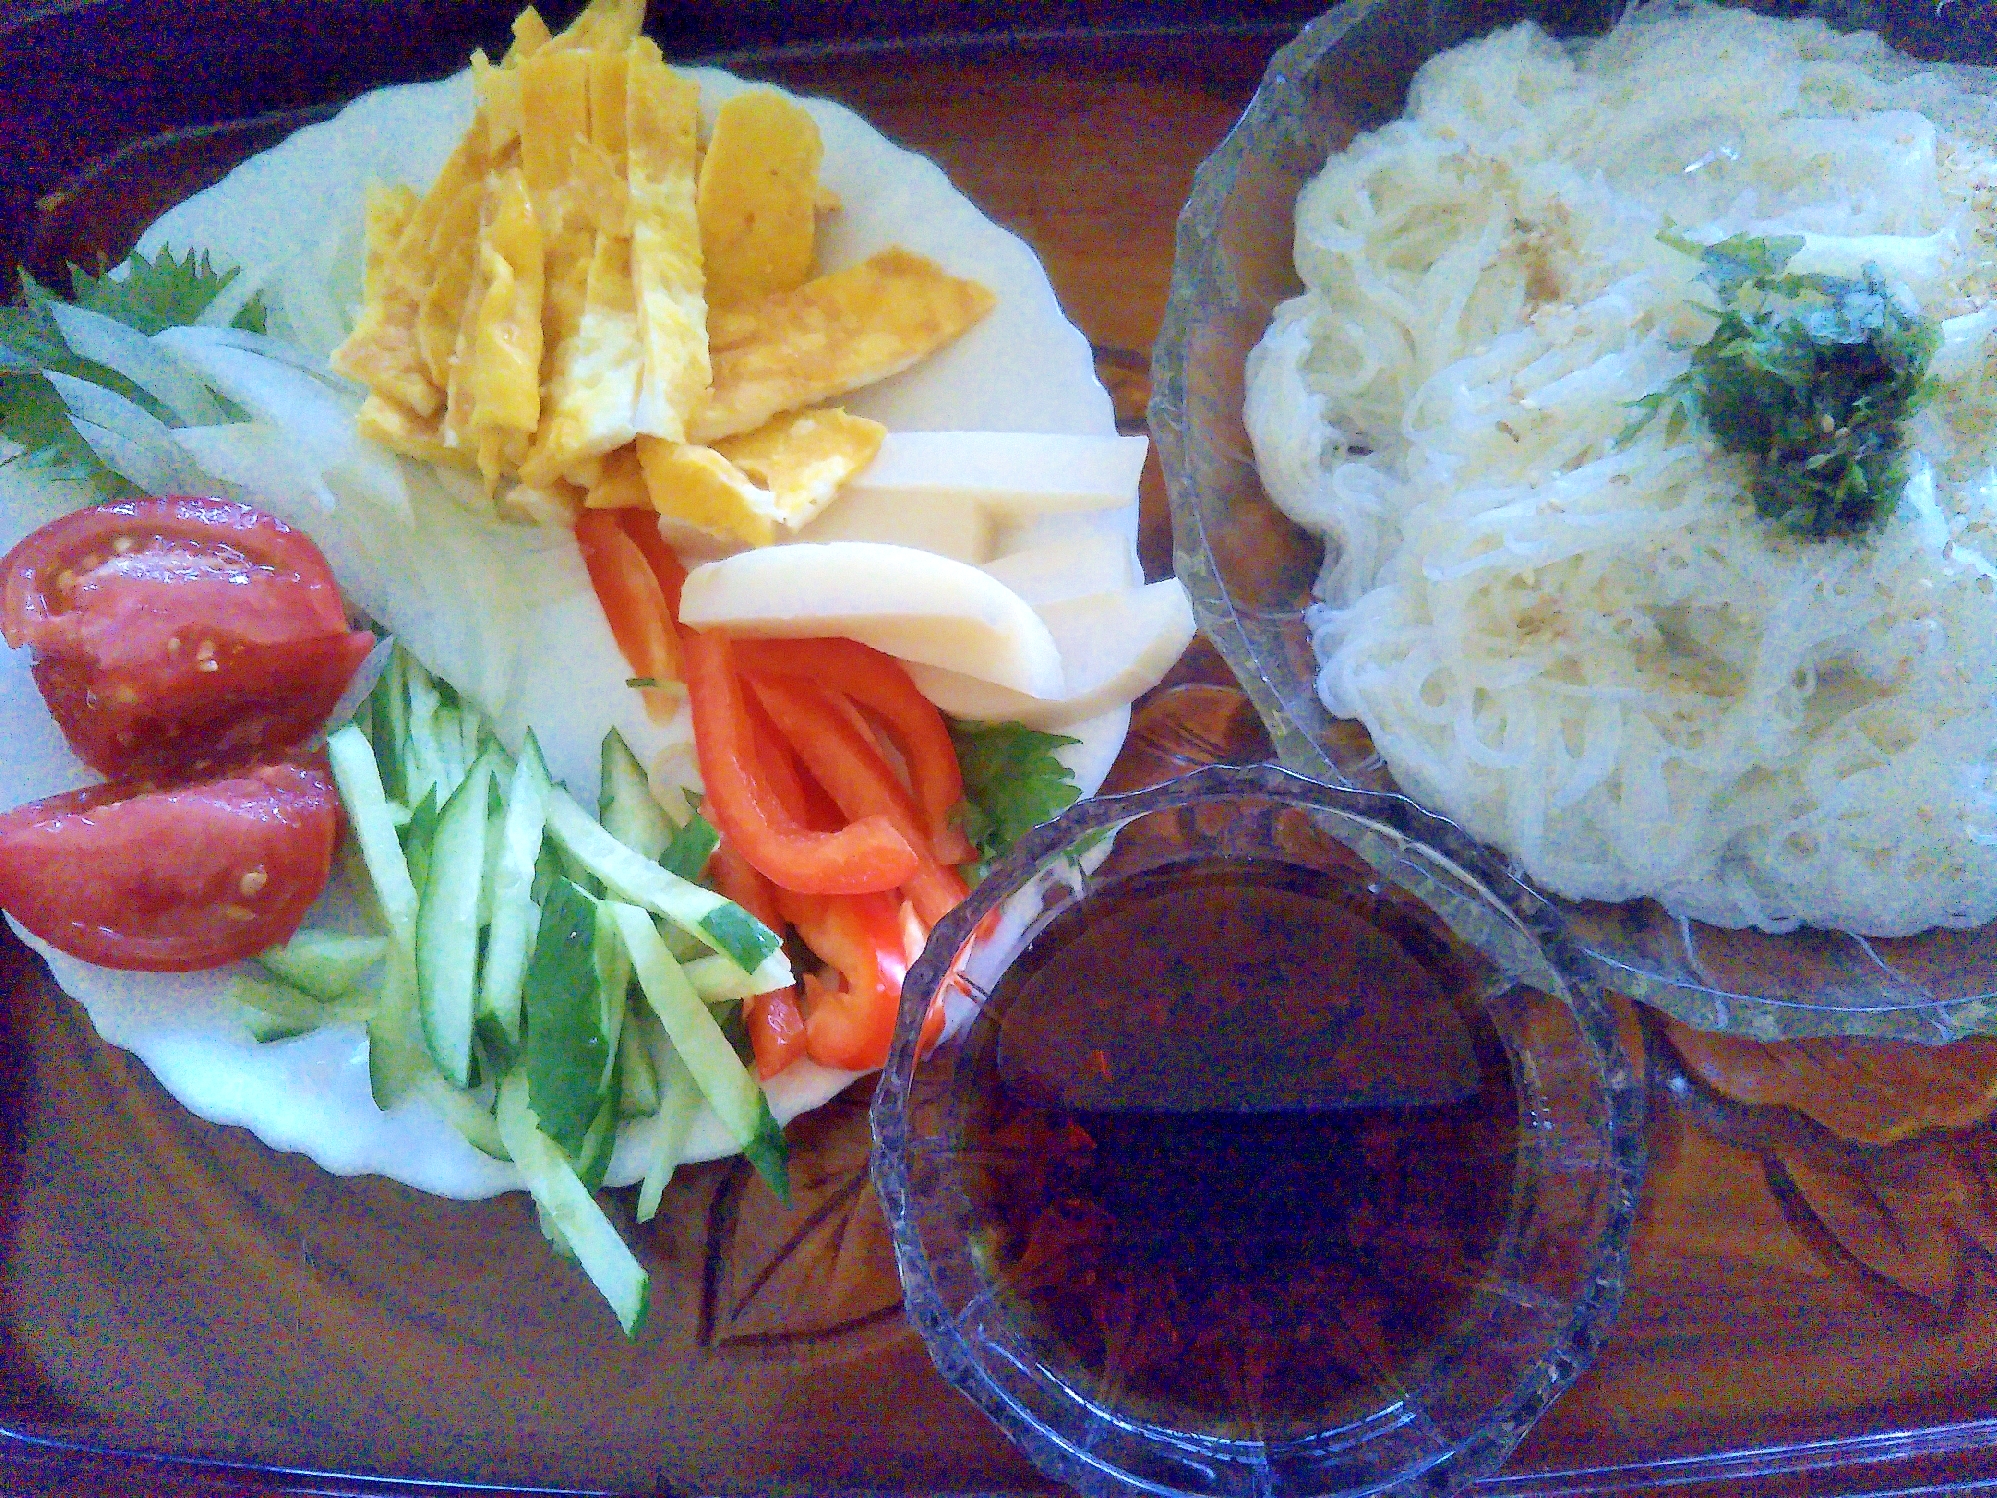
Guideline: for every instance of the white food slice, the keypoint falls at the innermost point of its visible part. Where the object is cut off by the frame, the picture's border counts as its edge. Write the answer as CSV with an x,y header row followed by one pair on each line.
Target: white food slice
x,y
954,492
1094,562
1114,646
1011,475
961,532
912,604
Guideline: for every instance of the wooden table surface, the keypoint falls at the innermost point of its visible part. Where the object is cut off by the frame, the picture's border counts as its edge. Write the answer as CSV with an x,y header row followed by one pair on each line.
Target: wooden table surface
x,y
1814,1262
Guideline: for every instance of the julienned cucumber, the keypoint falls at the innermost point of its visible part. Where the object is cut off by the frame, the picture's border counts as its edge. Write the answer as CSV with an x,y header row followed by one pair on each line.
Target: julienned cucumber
x,y
565,1052
631,877
447,924
359,780
504,977
560,1194
514,914
625,804
730,1090
323,964
679,1104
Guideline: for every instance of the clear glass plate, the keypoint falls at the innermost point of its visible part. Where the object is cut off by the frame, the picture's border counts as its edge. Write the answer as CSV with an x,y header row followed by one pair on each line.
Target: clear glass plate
x,y
1250,570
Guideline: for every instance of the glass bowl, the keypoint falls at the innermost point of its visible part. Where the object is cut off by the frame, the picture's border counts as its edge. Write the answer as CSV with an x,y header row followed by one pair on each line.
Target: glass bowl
x,y
1250,570
1331,1288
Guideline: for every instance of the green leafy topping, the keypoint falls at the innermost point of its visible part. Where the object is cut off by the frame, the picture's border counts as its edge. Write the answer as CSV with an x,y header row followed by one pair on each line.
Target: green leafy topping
x,y
151,296
1808,377
1012,783
161,293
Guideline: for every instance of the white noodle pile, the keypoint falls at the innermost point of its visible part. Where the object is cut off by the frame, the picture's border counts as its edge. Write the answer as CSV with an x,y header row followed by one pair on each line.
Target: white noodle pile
x,y
1599,658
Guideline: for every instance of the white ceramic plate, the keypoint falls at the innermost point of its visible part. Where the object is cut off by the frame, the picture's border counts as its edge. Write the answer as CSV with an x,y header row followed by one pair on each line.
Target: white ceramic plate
x,y
297,208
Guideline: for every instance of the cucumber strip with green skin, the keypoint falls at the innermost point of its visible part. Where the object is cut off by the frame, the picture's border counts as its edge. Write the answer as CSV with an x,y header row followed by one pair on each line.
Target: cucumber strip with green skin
x,y
391,720
679,1105
463,1112
421,768
624,801
417,834
266,1030
729,1087
359,782
447,748
280,1001
638,1090
561,1195
724,926
447,925
693,843
565,1055
397,1062
515,916
473,736
599,1143
324,964
553,1233
719,981
613,984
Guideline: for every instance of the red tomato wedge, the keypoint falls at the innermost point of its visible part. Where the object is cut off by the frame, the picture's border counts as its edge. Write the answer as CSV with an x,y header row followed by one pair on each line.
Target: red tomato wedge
x,y
880,684
176,880
867,855
172,635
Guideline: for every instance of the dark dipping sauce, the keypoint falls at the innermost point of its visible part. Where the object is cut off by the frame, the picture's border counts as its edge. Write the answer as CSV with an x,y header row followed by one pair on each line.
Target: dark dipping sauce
x,y
1239,1145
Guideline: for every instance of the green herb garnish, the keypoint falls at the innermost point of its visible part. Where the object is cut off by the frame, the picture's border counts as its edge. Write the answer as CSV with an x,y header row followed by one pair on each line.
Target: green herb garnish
x,y
1012,783
1811,379
151,296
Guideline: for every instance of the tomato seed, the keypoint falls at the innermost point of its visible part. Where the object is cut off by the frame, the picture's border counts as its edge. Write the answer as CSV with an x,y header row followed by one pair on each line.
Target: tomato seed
x,y
253,881
239,912
124,695
205,651
123,544
211,664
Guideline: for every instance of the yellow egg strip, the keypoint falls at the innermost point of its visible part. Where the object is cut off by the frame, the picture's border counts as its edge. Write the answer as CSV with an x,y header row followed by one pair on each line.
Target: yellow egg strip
x,y
546,303
831,335
802,457
758,198
661,118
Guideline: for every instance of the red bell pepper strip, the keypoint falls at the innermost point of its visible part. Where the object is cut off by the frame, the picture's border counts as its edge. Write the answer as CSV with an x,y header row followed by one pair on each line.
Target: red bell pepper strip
x,y
859,780
736,878
774,1022
801,796
880,684
850,1025
632,601
776,1030
642,526
867,855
